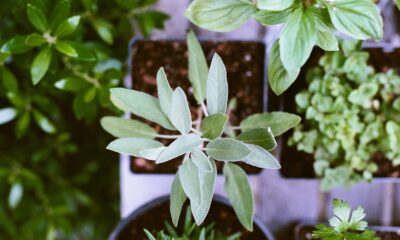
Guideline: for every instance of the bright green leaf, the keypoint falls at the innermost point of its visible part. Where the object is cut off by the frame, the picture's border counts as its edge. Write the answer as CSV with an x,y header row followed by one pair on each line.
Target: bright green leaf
x,y
15,196
67,27
269,18
184,144
71,84
16,45
66,49
226,149
41,65
37,18
132,146
84,53
7,115
327,41
261,158
120,128
274,5
44,123
90,94
178,198
262,137
213,125
35,40
217,86
279,122
60,12
180,113
201,160
164,92
104,30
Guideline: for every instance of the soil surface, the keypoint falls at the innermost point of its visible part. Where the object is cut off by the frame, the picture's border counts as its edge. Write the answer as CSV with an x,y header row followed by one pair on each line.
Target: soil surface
x,y
222,215
297,164
245,67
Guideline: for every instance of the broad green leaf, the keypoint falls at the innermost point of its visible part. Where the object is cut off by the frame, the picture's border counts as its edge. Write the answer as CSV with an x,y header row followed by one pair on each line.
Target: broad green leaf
x,y
71,84
225,149
15,195
327,41
261,158
279,122
220,16
120,128
140,104
152,153
35,40
184,144
190,179
278,77
9,81
297,39
104,30
164,92
274,5
16,45
359,19
132,146
68,26
180,113
217,86
213,125
37,18
41,65
201,160
198,68
178,198
268,18
44,123
60,12
7,115
262,137
239,193
66,49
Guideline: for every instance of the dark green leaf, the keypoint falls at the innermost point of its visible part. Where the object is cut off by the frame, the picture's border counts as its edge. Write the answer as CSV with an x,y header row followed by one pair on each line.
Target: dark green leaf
x,y
23,124
120,127
279,122
71,84
37,18
41,65
16,45
44,123
35,40
84,53
66,49
225,149
213,125
9,81
262,137
67,27
60,12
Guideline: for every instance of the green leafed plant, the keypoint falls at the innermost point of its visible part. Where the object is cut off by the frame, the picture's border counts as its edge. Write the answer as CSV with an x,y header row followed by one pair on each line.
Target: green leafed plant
x,y
351,117
190,231
306,23
200,142
345,225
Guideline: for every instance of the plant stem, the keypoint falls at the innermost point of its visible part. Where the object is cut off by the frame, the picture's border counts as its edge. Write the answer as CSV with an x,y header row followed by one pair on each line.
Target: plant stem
x,y
196,131
167,136
203,106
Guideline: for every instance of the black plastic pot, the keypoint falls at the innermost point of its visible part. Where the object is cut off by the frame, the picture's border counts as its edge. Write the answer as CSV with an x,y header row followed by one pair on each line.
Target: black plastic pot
x,y
153,214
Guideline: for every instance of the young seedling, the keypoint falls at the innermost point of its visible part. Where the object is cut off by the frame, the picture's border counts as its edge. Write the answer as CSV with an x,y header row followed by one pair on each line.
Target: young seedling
x,y
345,225
200,142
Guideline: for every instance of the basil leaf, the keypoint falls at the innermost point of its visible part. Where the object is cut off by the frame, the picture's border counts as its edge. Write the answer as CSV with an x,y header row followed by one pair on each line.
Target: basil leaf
x,y
184,144
68,26
279,78
359,19
66,49
274,5
268,18
297,39
7,115
132,146
198,68
262,137
217,86
220,16
37,18
178,198
164,92
140,104
213,125
225,149
180,114
238,189
41,65
261,158
122,128
327,41
35,40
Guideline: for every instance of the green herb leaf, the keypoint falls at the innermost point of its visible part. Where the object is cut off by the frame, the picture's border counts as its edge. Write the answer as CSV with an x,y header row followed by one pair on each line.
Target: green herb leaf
x,y
239,193
16,45
66,49
226,149
151,153
120,128
213,125
68,26
180,114
149,235
178,198
44,123
37,18
201,160
198,68
132,146
140,104
261,158
104,30
279,78
274,5
217,86
41,65
35,40
397,3
164,92
360,19
184,144
327,41
9,81
7,115
262,137
71,84
60,12
296,50
15,196
279,122
268,18
220,16
189,175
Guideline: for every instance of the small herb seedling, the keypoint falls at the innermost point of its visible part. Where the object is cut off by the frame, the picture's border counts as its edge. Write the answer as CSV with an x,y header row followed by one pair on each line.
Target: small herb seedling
x,y
345,225
201,142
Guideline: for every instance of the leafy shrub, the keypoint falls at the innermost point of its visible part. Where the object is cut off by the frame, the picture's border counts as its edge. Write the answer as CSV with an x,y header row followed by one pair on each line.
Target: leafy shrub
x,y
351,117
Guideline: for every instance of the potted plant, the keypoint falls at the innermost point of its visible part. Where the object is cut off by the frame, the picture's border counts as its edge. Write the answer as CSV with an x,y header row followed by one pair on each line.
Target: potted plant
x,y
346,224
203,141
152,221
350,127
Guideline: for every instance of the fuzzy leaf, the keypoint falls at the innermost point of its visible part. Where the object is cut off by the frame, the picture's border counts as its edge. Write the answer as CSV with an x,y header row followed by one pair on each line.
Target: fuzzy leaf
x,y
225,149
213,125
122,128
262,137
41,65
180,146
132,146
201,160
274,5
178,198
189,176
261,158
164,92
217,86
279,122
151,153
180,113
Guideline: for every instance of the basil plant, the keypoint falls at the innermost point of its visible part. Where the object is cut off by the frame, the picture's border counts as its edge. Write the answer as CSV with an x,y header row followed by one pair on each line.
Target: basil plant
x,y
306,23
200,141
351,117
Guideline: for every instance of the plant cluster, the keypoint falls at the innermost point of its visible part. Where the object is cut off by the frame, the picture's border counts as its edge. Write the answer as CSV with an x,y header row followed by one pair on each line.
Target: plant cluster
x,y
306,23
57,61
345,225
201,141
191,231
351,117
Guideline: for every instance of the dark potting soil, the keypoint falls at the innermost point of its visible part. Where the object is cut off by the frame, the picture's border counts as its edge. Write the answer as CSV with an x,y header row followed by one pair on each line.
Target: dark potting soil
x,y
245,67
221,215
305,233
297,164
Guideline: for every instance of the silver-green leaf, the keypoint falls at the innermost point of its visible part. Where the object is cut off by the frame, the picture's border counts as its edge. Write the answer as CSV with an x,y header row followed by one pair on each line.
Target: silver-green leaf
x,y
178,198
201,160
151,153
225,149
180,113
261,158
122,128
184,144
262,137
279,122
132,146
7,115
164,92
217,86
189,175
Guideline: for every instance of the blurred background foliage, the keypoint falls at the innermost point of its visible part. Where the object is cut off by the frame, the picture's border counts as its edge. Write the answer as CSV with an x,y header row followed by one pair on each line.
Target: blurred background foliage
x,y
57,61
